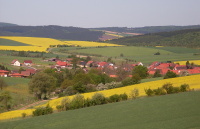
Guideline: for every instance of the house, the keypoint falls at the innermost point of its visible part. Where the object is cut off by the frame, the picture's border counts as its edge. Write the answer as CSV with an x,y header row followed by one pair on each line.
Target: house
x,y
4,73
62,64
28,62
15,63
16,75
26,73
32,71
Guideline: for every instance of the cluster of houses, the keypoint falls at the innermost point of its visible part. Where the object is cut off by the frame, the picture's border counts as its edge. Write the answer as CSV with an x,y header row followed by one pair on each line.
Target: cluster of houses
x,y
15,73
106,67
110,69
176,68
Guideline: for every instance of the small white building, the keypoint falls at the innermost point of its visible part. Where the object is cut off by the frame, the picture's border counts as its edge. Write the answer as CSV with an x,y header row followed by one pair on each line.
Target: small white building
x,y
15,63
28,62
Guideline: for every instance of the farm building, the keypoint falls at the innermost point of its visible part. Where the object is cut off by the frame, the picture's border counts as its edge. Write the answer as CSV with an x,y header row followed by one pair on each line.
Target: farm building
x,y
15,63
28,62
4,73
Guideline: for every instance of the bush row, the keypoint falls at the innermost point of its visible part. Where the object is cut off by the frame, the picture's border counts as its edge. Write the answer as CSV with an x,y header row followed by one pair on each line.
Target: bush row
x,y
97,99
167,88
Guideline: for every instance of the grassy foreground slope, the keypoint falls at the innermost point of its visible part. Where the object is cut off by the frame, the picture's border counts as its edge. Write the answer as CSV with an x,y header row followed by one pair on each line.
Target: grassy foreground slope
x,y
166,112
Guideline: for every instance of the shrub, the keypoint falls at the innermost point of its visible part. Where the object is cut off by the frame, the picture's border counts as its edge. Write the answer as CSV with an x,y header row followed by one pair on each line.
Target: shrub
x,y
60,108
77,102
160,91
134,93
149,92
43,111
127,81
24,115
114,98
168,87
98,99
184,88
123,96
88,103
170,74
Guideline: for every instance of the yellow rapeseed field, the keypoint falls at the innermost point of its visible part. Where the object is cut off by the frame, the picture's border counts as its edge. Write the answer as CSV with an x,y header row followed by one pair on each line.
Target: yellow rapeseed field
x,y
89,43
114,35
192,80
196,62
41,44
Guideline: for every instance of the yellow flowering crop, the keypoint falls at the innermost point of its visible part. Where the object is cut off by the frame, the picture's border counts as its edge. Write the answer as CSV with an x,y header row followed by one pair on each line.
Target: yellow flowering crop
x,y
15,114
114,35
41,44
89,43
193,81
197,62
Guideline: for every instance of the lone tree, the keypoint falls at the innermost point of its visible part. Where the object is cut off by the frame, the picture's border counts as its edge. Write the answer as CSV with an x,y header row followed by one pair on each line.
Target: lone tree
x,y
5,99
42,84
142,71
170,74
2,83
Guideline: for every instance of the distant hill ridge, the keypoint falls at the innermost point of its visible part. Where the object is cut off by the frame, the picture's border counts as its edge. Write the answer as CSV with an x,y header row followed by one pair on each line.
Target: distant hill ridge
x,y
3,24
147,29
51,31
183,38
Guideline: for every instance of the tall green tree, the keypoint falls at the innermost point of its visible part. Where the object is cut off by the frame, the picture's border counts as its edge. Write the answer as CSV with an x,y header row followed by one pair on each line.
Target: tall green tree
x,y
42,84
142,71
2,83
5,99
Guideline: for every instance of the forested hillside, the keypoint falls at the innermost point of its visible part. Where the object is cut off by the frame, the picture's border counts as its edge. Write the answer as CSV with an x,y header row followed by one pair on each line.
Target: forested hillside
x,y
147,29
52,31
3,24
185,38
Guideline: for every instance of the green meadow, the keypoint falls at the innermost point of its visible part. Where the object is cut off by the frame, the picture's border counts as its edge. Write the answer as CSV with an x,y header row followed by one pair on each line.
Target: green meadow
x,y
143,54
7,42
175,111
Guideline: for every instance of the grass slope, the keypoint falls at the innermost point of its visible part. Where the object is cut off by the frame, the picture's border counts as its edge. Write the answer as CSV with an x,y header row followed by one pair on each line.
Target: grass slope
x,y
7,42
143,54
170,111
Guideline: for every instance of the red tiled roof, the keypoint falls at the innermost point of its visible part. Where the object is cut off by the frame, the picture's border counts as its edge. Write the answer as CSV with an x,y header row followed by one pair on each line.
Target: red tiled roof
x,y
26,73
16,74
102,63
28,61
4,71
60,63
14,61
113,75
193,71
32,71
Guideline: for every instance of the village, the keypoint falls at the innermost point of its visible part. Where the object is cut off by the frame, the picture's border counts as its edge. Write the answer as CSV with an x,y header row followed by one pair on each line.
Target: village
x,y
27,67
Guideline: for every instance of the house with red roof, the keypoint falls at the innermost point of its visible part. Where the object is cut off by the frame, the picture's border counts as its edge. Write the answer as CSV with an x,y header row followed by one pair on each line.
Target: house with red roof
x,y
28,62
15,62
16,75
4,73
26,73
62,64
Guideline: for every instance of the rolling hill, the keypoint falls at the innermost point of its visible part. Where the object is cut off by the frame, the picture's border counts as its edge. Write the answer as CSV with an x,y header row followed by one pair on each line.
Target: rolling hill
x,y
147,29
167,112
51,31
183,38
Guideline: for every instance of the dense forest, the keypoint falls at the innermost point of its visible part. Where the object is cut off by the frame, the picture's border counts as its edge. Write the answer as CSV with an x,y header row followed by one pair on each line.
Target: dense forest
x,y
147,29
186,38
51,31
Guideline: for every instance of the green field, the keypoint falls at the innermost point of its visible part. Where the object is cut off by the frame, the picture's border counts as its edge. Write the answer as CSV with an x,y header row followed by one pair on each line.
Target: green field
x,y
7,42
177,111
18,87
143,54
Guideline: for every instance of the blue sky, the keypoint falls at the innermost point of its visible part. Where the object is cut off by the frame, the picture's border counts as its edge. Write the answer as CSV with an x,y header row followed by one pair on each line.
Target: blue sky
x,y
100,13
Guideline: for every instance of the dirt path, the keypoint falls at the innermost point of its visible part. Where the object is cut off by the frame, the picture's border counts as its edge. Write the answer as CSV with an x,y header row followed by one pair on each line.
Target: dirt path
x,y
36,103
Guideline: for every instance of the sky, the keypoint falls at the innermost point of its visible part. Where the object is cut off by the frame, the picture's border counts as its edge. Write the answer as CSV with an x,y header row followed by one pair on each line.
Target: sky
x,y
101,13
